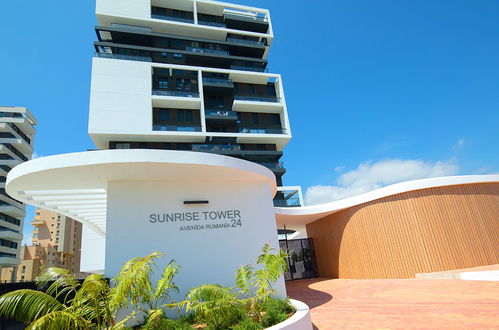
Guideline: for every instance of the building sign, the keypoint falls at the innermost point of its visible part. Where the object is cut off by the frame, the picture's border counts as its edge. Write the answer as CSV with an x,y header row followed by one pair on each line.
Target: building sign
x,y
203,220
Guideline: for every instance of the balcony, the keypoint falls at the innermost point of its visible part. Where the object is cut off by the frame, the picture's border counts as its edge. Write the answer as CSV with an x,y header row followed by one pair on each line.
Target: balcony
x,y
207,51
247,21
256,98
247,68
10,234
287,197
221,115
245,42
216,147
172,18
282,202
160,92
37,222
262,130
262,104
123,57
218,82
173,128
208,23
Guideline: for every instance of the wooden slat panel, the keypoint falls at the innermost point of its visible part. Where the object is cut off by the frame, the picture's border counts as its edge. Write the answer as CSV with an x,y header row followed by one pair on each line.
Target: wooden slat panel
x,y
420,231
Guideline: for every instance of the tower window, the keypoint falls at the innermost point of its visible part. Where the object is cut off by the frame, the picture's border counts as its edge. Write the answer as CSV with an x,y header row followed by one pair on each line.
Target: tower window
x,y
164,114
163,83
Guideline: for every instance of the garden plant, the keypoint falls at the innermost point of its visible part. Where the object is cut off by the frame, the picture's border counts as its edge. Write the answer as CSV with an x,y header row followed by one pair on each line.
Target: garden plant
x,y
63,302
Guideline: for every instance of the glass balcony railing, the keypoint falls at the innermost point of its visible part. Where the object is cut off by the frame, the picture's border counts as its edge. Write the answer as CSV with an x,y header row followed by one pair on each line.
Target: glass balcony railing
x,y
161,92
245,42
171,18
257,98
247,68
262,130
217,24
219,82
207,51
291,202
245,16
124,57
216,147
11,115
222,114
276,165
173,128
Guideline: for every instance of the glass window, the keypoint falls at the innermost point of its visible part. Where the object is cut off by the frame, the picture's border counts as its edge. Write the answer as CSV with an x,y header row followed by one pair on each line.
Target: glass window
x,y
251,89
276,119
180,115
260,147
254,117
163,83
164,114
188,115
123,145
270,90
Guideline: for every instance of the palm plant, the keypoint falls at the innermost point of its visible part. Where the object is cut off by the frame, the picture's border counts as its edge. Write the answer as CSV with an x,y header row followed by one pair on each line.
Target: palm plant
x,y
253,287
93,304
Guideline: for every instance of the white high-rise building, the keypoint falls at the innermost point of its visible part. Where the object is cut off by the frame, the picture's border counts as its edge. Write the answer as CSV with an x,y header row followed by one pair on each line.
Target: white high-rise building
x,y
189,75
16,146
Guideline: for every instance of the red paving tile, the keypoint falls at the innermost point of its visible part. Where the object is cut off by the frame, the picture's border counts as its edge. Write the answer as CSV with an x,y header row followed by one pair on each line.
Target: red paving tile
x,y
399,304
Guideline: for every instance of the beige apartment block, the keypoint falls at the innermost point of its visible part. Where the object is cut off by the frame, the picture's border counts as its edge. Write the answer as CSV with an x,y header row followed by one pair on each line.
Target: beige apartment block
x,y
56,243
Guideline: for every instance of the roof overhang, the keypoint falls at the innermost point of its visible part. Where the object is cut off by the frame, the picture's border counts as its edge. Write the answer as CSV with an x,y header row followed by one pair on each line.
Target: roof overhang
x,y
75,184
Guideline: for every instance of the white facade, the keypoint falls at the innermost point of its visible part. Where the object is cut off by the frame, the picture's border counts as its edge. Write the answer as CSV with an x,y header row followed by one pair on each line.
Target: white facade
x,y
122,101
139,188
138,13
16,146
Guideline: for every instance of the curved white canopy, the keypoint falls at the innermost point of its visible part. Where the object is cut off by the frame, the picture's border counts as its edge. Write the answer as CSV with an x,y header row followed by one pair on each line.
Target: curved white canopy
x,y
75,184
307,214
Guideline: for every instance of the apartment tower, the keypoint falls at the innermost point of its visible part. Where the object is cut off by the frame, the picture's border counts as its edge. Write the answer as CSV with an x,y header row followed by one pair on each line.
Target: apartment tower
x,y
189,75
16,146
56,243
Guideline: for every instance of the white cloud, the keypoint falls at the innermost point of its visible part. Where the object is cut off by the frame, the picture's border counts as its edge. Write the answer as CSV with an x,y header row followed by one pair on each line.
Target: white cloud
x,y
459,144
370,176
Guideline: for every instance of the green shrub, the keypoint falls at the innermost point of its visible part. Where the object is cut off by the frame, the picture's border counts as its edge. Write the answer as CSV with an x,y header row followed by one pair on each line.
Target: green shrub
x,y
247,323
275,310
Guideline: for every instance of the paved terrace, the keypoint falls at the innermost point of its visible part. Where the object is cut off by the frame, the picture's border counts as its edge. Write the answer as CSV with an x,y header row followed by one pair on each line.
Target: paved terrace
x,y
399,304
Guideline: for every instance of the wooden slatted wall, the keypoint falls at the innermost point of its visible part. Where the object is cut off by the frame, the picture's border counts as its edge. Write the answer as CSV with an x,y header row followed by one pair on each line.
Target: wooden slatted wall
x,y
421,231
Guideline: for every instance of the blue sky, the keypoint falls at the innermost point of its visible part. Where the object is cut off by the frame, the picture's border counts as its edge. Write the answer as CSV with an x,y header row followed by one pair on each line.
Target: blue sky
x,y
377,91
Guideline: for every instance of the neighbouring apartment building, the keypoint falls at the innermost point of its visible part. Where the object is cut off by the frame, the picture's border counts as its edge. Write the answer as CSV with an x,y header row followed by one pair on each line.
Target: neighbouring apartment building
x,y
56,243
16,146
189,75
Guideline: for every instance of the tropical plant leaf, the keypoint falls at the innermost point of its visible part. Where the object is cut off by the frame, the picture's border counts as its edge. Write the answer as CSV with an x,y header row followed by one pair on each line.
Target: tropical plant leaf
x,y
165,284
133,281
154,319
28,305
244,278
64,282
92,300
60,320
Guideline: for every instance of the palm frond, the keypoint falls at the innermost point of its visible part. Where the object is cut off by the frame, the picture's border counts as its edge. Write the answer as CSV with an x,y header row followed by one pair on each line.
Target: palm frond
x,y
154,319
133,281
60,320
92,300
243,278
64,281
28,305
165,284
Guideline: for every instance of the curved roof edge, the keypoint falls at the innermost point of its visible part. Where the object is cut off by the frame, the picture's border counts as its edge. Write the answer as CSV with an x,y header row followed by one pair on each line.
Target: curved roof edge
x,y
306,214
75,184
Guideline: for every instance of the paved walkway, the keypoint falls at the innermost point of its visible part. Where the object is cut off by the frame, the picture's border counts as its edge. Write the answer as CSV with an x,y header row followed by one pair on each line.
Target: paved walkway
x,y
399,304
